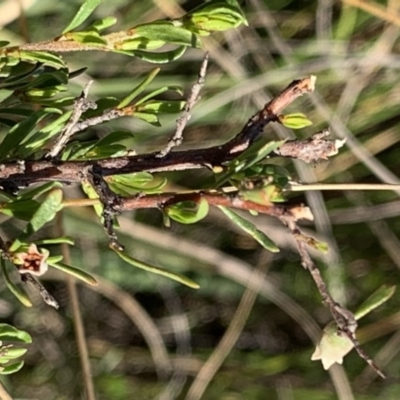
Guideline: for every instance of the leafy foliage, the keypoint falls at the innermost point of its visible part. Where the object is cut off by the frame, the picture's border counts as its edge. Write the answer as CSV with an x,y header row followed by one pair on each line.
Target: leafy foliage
x,y
37,104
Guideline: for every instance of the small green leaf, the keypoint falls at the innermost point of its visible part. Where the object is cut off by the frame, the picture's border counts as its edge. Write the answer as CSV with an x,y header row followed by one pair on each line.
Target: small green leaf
x,y
259,151
128,184
294,121
31,193
47,211
18,133
251,229
100,152
148,117
102,24
11,353
87,37
115,137
91,194
11,334
187,212
157,58
76,272
13,288
157,92
11,369
74,74
139,89
48,79
82,15
42,57
5,94
214,16
168,32
155,270
382,295
140,43
42,94
39,139
58,240
21,209
163,106
54,259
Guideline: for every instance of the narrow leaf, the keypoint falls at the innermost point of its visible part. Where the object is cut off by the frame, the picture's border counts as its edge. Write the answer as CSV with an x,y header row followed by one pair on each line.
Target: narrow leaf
x,y
31,193
159,58
13,288
380,296
82,15
91,194
76,272
54,259
139,89
11,369
156,270
43,57
21,209
251,229
253,155
102,24
18,133
59,240
163,106
46,212
12,353
11,334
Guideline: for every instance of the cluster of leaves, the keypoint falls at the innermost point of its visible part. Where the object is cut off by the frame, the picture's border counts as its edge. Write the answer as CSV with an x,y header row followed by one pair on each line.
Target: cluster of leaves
x,y
10,352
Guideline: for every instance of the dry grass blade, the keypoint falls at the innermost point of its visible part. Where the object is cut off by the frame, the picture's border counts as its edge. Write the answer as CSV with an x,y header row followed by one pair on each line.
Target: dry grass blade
x,y
135,312
235,328
376,10
78,320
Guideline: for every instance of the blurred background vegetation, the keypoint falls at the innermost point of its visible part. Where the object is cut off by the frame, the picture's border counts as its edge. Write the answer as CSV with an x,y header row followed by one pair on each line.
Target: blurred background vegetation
x,y
139,327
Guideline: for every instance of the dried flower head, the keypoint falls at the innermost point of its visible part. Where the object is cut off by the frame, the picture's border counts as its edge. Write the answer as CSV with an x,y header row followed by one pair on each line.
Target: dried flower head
x,y
31,261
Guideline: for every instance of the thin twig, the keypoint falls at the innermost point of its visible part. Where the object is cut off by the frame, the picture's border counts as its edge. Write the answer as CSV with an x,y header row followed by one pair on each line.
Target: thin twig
x,y
111,204
78,322
46,296
181,329
81,105
344,318
177,138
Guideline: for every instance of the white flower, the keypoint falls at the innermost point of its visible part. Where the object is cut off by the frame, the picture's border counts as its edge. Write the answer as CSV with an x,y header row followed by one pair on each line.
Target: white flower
x,y
332,346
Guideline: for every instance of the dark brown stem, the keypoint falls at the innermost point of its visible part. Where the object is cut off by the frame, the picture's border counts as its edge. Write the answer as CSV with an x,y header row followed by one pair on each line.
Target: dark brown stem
x,y
29,172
